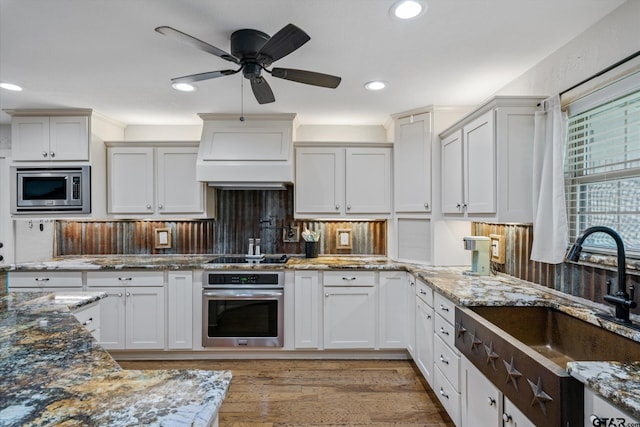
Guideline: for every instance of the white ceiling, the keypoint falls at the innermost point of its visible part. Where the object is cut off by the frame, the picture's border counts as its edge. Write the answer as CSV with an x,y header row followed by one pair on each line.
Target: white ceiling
x,y
105,54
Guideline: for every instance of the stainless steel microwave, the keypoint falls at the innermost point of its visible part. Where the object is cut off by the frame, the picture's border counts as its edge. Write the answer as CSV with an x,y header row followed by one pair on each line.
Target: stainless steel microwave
x,y
50,190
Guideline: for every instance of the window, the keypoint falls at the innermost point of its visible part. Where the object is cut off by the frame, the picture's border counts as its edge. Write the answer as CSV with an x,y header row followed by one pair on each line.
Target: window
x,y
602,165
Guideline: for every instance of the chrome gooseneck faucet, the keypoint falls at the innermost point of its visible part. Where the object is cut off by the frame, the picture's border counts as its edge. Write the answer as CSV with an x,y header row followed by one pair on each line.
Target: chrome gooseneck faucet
x,y
622,300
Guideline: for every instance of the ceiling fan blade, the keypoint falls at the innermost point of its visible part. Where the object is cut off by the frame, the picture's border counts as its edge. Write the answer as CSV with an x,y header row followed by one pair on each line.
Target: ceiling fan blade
x,y
307,77
203,76
197,43
261,90
285,41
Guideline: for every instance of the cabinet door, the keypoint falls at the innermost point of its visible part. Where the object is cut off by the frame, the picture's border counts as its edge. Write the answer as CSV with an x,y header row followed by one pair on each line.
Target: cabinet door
x,y
452,175
392,318
410,301
480,398
412,160
180,309
480,165
513,417
112,318
424,339
131,180
30,136
349,317
177,188
368,180
319,180
145,314
308,301
69,138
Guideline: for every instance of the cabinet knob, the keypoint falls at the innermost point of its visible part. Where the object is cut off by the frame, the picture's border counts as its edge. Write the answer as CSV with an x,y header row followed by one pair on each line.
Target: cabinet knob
x,y
458,205
160,206
428,317
1,244
464,206
326,295
1,258
52,154
491,401
45,154
127,294
443,394
412,283
348,207
148,206
119,294
337,207
426,205
506,418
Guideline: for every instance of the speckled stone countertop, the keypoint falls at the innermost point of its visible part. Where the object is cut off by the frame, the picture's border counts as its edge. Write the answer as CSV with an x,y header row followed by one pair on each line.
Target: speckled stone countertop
x,y
449,281
52,372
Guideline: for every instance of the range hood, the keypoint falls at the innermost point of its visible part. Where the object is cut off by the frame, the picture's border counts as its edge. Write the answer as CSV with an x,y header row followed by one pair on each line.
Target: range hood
x,y
254,153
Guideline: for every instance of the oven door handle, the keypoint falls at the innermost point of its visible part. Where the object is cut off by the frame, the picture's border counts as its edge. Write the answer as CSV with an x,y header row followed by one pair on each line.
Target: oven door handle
x,y
243,294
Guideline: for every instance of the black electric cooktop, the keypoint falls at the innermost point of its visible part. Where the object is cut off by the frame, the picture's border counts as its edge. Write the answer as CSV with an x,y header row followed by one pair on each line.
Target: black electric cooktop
x,y
240,259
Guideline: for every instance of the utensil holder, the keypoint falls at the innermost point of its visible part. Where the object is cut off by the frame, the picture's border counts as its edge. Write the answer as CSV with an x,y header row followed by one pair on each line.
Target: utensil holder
x,y
311,249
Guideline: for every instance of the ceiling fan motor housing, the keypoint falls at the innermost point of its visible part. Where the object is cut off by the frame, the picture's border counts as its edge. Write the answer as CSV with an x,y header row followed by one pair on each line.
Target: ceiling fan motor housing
x,y
245,44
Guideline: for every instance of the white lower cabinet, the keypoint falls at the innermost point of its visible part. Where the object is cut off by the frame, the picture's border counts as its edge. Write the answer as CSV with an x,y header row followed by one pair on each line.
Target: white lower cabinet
x,y
483,404
349,309
424,327
392,307
180,310
410,296
599,412
446,357
308,309
89,317
132,317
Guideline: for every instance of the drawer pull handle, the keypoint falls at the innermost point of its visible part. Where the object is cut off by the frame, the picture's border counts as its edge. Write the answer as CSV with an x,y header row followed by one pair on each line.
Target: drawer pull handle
x,y
443,360
412,283
42,279
123,279
443,394
88,321
349,278
491,401
443,308
422,291
443,332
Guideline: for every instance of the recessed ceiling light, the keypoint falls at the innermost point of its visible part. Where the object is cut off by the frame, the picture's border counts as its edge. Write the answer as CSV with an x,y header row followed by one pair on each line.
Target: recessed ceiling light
x,y
375,85
408,9
183,87
10,86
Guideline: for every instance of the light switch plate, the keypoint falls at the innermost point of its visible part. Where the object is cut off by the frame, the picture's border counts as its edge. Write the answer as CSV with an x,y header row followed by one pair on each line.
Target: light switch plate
x,y
296,234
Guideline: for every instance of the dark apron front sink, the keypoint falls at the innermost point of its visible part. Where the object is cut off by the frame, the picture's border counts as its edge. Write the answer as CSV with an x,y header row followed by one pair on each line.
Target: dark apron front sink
x,y
524,352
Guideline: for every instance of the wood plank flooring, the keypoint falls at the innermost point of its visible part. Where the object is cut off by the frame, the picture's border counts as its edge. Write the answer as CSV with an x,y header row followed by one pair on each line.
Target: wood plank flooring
x,y
270,393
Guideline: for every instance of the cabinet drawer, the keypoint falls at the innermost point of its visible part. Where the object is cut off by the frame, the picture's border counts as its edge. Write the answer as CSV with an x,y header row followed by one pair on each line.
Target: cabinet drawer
x,y
349,278
124,278
447,395
424,292
89,316
58,279
444,308
448,362
445,331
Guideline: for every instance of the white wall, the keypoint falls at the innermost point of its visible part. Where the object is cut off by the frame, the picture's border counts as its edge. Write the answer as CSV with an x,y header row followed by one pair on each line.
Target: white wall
x,y
610,40
163,133
5,137
341,133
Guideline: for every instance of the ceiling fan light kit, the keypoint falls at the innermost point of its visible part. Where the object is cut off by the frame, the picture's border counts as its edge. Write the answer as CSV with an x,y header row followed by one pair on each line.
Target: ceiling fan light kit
x,y
254,51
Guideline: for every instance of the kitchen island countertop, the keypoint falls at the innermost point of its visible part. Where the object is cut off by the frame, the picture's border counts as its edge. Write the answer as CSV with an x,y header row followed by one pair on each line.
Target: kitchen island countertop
x,y
53,372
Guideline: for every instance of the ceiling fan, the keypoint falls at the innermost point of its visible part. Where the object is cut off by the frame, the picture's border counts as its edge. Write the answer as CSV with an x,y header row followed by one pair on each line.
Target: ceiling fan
x,y
254,51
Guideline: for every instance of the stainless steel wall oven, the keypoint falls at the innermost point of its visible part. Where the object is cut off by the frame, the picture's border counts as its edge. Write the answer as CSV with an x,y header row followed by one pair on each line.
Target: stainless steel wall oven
x,y
243,308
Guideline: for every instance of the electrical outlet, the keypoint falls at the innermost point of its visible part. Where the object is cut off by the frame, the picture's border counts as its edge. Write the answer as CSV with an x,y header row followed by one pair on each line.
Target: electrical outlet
x,y
291,239
497,248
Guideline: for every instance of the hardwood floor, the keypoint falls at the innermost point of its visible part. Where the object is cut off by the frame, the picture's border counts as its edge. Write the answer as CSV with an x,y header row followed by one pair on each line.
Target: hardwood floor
x,y
270,393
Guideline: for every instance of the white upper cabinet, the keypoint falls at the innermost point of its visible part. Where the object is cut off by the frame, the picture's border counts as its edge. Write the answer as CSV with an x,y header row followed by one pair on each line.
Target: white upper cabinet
x,y
154,180
334,181
45,138
412,163
486,162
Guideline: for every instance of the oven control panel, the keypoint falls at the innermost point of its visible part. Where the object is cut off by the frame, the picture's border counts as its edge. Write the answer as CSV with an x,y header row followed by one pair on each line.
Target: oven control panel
x,y
215,279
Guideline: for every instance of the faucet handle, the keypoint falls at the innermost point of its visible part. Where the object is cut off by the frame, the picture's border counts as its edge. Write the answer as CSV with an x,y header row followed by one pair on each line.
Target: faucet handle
x,y
608,283
632,290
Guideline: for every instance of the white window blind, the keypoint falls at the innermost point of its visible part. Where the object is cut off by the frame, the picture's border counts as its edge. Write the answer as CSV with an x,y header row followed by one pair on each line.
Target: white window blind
x,y
602,169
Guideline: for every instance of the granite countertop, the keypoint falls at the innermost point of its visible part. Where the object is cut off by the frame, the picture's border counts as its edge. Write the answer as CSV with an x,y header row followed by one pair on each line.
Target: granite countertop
x,y
449,281
53,372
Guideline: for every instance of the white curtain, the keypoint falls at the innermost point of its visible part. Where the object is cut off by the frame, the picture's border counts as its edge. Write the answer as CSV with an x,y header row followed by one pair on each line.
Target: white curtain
x,y
550,229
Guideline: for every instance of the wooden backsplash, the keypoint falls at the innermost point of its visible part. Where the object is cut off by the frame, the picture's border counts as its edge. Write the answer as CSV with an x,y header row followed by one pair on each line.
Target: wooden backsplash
x,y
241,214
582,280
